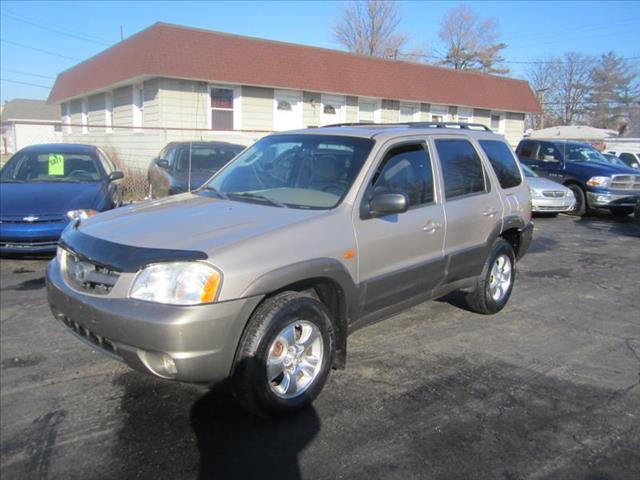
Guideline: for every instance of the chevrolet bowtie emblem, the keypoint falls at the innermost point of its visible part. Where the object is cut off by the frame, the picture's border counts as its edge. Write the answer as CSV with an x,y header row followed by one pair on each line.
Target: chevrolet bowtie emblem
x,y
30,218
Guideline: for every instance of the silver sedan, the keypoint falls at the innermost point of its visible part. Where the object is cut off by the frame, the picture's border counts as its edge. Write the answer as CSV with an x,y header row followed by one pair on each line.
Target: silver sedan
x,y
548,196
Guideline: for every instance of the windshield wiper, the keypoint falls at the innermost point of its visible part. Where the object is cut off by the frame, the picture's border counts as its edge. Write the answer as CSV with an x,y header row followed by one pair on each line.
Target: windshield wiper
x,y
223,196
254,196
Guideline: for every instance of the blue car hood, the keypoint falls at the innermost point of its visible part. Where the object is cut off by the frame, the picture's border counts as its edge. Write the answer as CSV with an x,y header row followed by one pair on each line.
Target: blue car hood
x,y
46,198
597,168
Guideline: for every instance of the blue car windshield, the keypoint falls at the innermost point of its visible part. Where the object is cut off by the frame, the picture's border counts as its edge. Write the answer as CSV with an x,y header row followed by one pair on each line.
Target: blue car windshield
x,y
51,167
297,171
582,153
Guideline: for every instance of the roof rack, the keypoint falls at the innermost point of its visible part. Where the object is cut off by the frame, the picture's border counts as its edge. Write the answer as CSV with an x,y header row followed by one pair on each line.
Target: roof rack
x,y
460,125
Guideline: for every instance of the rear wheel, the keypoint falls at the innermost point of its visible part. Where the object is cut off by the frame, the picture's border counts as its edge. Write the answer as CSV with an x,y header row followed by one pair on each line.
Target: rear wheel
x,y
495,284
284,356
580,208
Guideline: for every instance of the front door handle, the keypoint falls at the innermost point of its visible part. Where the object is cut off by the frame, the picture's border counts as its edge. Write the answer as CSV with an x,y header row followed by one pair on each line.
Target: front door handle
x,y
432,226
489,212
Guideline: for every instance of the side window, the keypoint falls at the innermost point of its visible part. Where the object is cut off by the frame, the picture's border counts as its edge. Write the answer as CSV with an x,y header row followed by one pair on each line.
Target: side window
x,y
406,169
549,152
503,163
461,168
526,149
629,158
107,164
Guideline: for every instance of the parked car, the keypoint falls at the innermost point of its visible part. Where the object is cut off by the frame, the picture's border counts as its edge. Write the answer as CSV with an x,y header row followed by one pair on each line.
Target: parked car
x,y
169,173
305,236
548,197
580,167
44,187
631,159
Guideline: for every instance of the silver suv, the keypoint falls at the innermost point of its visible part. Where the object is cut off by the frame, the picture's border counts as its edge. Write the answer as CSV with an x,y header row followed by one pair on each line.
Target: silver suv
x,y
260,275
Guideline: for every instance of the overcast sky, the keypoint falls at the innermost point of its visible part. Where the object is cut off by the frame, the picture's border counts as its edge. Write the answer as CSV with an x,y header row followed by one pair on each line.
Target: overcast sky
x,y
41,39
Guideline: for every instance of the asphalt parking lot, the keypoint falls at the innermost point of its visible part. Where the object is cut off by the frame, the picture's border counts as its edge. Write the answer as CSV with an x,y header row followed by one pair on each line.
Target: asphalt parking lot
x,y
548,388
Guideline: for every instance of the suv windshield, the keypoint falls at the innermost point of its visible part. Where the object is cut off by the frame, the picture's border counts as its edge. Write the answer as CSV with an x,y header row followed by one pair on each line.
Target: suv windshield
x,y
299,171
51,167
582,153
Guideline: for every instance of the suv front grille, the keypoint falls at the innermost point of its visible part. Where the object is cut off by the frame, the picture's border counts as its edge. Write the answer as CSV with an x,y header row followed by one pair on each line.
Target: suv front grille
x,y
625,182
87,276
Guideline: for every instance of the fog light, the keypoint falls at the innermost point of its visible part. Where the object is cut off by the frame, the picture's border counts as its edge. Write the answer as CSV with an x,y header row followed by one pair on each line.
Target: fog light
x,y
159,363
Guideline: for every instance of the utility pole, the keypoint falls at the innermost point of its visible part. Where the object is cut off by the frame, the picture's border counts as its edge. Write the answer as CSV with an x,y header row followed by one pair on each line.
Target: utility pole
x,y
540,94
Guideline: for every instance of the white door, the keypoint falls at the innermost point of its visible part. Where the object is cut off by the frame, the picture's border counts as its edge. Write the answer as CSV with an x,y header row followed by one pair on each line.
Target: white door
x,y
333,109
287,110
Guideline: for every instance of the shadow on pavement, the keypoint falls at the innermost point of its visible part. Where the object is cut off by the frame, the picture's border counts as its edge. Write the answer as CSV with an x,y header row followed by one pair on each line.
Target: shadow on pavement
x,y
173,430
607,223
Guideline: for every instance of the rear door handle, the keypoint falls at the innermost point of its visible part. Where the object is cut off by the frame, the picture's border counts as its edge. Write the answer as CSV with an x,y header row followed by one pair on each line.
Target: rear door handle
x,y
489,212
432,226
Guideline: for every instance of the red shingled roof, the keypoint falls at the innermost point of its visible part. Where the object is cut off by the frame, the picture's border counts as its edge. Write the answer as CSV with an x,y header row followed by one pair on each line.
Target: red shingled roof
x,y
173,51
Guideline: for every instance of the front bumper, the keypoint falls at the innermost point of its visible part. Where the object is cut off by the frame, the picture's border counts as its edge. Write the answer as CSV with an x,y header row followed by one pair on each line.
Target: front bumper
x,y
30,237
200,339
552,205
607,199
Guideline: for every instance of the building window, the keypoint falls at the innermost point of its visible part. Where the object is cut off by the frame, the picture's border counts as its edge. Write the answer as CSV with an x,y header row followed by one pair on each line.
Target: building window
x,y
497,122
368,110
329,110
465,115
409,112
222,108
439,113
138,107
84,116
66,118
108,112
284,106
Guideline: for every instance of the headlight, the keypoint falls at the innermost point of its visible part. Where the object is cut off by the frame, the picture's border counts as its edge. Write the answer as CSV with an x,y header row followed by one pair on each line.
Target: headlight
x,y
81,214
599,181
535,193
569,193
179,283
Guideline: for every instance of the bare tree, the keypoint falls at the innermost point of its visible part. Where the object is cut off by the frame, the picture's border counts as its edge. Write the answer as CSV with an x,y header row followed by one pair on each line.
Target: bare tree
x,y
574,83
370,28
542,77
470,43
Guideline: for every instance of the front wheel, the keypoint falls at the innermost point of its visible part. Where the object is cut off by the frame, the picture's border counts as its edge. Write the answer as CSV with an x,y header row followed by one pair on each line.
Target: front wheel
x,y
495,284
580,208
284,356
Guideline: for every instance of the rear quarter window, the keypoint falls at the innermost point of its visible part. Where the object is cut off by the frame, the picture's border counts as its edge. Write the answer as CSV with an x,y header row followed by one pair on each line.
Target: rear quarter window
x,y
461,168
503,163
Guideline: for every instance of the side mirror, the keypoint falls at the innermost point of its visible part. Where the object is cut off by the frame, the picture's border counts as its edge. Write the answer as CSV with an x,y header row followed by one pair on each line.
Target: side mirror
x,y
388,204
549,158
117,175
162,163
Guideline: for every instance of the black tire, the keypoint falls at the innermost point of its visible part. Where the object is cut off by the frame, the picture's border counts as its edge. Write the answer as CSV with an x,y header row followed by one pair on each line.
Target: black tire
x,y
581,207
249,381
480,299
621,211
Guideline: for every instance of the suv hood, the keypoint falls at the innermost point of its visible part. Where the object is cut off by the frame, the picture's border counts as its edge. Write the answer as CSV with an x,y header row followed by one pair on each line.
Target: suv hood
x,y
190,222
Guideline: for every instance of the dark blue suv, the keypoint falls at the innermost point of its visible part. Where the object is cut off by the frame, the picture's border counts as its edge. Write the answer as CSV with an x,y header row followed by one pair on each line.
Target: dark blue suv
x,y
594,182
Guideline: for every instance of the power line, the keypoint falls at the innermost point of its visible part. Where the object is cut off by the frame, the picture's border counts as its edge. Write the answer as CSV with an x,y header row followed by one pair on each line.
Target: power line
x,y
520,62
51,27
54,30
27,73
39,50
24,83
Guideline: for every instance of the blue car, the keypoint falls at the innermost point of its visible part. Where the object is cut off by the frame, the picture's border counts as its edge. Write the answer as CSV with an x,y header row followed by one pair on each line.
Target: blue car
x,y
595,183
44,187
